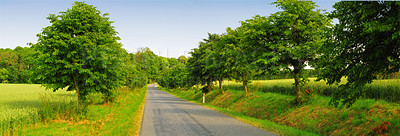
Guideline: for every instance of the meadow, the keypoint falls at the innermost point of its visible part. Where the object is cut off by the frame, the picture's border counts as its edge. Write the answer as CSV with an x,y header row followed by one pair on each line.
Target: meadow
x,y
24,104
32,110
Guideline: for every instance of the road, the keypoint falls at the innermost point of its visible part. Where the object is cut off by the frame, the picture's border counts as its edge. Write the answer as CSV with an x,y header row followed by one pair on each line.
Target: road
x,y
167,115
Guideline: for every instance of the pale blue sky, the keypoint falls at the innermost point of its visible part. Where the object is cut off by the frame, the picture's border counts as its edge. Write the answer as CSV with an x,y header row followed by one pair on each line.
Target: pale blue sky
x,y
170,28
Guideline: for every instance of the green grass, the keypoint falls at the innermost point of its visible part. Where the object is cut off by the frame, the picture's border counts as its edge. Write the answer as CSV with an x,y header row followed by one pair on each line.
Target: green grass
x,y
266,110
19,100
32,110
123,117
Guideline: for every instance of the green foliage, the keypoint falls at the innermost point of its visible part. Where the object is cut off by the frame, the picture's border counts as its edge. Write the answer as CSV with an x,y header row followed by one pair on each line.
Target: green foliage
x,y
364,44
177,76
79,51
182,59
17,63
3,75
150,63
200,65
136,77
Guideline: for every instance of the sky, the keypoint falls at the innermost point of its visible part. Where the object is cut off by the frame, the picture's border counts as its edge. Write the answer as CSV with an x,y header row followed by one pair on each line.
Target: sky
x,y
170,28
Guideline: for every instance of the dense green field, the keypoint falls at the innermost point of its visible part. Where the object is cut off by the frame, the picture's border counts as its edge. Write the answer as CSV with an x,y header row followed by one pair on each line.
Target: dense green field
x,y
18,100
20,103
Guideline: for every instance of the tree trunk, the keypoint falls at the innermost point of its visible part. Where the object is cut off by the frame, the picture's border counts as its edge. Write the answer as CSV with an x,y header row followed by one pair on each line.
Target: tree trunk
x,y
210,85
296,83
220,84
296,72
244,82
77,89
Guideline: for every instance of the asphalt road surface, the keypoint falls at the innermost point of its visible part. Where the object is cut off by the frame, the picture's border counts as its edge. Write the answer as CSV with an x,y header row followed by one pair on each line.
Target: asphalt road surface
x,y
167,115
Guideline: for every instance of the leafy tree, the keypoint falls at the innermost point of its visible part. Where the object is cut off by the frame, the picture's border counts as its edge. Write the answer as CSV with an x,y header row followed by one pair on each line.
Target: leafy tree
x,y
296,34
221,62
200,64
79,51
366,42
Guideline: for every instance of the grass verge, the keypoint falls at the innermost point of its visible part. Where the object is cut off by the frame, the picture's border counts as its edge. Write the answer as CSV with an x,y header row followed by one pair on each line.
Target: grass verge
x,y
122,117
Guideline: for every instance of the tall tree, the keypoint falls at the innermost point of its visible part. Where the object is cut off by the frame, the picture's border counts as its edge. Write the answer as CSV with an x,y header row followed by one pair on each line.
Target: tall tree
x,y
364,43
79,51
296,34
221,62
240,53
200,64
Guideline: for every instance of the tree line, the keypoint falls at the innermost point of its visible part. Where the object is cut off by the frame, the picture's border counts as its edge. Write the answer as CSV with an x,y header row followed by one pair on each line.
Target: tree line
x,y
363,46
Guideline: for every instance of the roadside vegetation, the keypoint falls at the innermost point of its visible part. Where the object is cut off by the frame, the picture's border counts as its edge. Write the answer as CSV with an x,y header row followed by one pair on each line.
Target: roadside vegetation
x,y
273,111
355,68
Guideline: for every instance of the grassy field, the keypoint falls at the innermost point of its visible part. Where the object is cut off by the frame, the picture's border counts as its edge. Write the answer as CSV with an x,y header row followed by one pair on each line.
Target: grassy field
x,y
19,100
123,117
32,110
20,104
271,101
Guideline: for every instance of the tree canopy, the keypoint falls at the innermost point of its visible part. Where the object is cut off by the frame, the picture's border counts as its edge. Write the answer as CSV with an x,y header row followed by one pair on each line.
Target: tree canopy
x,y
79,51
296,34
366,42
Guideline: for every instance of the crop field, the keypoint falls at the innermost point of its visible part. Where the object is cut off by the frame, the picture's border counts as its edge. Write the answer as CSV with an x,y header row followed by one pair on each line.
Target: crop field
x,y
388,89
21,102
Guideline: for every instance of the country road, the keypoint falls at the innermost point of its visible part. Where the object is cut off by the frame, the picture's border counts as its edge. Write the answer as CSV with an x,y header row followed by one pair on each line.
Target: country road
x,y
167,115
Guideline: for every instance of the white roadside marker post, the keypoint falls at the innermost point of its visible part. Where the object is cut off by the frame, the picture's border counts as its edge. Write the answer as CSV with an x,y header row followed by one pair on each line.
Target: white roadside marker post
x,y
204,97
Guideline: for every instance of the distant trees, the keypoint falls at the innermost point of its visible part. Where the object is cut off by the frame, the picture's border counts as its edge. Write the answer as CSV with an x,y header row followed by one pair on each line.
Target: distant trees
x,y
16,65
174,77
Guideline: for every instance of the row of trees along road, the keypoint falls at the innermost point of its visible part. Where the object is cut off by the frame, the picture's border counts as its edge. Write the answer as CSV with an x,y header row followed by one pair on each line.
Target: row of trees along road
x,y
80,51
364,44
